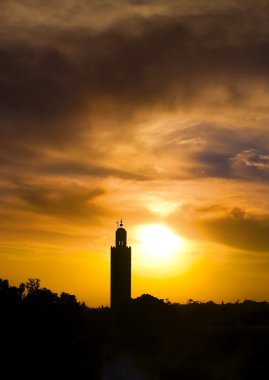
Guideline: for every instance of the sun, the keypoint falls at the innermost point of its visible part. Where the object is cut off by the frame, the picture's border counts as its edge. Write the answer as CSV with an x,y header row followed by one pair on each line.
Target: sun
x,y
158,245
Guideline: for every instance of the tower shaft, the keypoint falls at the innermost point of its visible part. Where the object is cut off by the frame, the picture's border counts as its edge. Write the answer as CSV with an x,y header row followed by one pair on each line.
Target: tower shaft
x,y
120,271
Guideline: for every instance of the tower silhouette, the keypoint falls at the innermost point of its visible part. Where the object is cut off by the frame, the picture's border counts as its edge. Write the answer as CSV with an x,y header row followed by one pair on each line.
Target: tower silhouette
x,y
120,270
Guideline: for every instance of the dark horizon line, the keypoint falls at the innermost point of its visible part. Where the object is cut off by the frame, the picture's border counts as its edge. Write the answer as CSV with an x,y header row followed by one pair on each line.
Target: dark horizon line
x,y
146,297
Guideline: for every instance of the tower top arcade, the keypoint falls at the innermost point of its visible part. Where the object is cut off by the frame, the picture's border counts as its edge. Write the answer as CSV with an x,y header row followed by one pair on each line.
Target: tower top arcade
x,y
121,236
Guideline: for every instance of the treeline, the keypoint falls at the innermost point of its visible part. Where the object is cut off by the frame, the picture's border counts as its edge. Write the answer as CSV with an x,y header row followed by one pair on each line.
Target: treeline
x,y
31,293
38,312
31,298
35,326
43,334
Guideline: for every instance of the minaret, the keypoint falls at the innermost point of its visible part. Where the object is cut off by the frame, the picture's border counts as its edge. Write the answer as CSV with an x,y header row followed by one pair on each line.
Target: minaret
x,y
120,270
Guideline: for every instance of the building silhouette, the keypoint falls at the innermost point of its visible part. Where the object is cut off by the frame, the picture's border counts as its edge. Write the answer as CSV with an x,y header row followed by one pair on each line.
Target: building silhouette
x,y
120,270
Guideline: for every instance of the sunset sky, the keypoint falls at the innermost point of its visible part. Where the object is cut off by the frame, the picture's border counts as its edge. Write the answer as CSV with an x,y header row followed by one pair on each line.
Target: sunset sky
x,y
156,112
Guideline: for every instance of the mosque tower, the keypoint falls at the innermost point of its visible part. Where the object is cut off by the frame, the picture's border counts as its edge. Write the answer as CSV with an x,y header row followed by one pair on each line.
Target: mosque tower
x,y
120,270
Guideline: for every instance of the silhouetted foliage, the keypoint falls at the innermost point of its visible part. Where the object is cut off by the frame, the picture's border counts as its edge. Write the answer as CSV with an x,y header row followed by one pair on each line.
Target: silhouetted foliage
x,y
44,334
32,285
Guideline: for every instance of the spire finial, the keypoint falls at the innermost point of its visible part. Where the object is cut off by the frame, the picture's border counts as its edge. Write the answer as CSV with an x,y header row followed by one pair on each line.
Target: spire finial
x,y
121,224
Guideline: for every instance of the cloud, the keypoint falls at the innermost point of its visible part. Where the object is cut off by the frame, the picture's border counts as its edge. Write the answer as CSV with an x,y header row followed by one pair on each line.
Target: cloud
x,y
234,227
61,203
98,16
171,62
251,164
61,87
78,97
252,158
247,233
215,150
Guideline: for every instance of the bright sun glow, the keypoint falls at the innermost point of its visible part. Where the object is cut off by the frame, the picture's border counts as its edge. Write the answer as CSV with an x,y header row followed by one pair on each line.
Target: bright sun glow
x,y
158,245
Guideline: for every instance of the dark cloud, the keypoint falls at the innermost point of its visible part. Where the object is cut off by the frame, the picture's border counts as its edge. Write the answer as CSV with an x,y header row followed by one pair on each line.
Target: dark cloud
x,y
215,164
140,2
84,169
247,164
167,61
215,150
247,233
37,94
235,227
72,203
252,158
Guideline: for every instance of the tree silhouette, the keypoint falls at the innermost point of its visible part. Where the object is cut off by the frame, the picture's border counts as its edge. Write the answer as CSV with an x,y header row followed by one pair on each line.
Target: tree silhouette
x,y
32,285
50,333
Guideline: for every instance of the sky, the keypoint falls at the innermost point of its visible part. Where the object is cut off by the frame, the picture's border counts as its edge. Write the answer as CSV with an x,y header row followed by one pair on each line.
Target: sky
x,y
151,111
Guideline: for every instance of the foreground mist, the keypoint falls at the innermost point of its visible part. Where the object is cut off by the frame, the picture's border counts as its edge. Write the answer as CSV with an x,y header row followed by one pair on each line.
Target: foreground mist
x,y
44,334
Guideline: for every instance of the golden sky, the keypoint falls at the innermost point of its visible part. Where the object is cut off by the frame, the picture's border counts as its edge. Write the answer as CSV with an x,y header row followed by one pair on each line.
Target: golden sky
x,y
151,111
